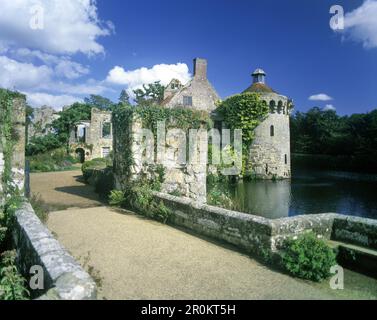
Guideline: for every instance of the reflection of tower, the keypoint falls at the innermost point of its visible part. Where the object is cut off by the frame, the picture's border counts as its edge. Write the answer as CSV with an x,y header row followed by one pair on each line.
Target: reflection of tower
x,y
265,198
270,151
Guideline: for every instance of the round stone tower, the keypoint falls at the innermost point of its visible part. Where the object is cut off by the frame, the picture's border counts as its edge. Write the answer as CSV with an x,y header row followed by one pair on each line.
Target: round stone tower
x,y
270,153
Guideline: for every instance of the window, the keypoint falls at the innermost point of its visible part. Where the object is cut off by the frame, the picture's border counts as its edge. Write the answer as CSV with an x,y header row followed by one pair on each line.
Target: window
x,y
272,106
280,107
286,159
272,131
106,130
105,152
187,101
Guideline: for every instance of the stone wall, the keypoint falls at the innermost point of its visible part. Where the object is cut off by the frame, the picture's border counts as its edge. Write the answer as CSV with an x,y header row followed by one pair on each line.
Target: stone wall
x,y
359,231
95,138
271,155
93,144
64,278
251,233
17,164
131,162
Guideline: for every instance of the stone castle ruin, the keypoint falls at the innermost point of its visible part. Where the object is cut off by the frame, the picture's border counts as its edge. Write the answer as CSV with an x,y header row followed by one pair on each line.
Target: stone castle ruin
x,y
41,122
269,153
92,139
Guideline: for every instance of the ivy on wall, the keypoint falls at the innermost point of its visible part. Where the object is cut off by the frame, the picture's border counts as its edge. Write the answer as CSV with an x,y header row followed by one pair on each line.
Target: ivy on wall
x,y
244,111
8,136
123,114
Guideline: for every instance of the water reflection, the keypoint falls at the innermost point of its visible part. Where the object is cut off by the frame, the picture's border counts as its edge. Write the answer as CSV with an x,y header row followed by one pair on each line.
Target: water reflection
x,y
308,192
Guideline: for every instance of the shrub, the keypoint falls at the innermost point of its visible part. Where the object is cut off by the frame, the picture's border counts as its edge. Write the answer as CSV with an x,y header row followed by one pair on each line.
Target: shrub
x,y
55,160
116,198
219,196
42,144
88,166
12,284
308,257
139,197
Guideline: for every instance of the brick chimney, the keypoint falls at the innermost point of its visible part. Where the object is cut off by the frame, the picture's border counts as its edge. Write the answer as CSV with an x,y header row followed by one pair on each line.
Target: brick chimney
x,y
200,68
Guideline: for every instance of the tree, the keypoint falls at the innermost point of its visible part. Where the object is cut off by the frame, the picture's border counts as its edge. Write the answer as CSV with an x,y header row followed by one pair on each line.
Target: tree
x,y
99,102
152,93
124,97
68,119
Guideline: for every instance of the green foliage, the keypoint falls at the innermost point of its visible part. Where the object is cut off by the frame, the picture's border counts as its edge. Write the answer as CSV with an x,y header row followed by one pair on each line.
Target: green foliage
x,y
152,93
244,111
308,257
139,196
53,160
12,203
43,144
217,195
99,102
12,284
94,164
8,137
69,117
116,198
322,132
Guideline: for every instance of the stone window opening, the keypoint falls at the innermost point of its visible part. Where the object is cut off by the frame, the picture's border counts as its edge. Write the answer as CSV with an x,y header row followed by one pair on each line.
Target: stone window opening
x,y
280,107
272,131
187,101
285,159
105,152
266,168
106,130
272,106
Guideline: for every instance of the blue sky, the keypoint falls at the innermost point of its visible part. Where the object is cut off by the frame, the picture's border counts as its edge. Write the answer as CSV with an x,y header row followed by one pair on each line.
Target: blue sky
x,y
291,40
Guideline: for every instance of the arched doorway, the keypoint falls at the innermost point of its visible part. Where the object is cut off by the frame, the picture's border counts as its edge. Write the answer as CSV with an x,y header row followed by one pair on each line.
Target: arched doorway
x,y
80,154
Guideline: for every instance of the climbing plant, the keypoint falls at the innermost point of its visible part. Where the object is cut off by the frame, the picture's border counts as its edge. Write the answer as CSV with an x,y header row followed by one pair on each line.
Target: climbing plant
x,y
11,282
8,137
182,118
244,111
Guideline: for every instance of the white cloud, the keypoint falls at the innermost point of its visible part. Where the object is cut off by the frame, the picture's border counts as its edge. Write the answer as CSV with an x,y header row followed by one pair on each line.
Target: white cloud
x,y
18,75
69,26
134,79
38,99
320,97
360,25
70,69
329,107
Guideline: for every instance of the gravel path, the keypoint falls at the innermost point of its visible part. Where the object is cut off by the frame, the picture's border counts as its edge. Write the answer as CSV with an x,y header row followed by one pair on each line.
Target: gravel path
x,y
139,258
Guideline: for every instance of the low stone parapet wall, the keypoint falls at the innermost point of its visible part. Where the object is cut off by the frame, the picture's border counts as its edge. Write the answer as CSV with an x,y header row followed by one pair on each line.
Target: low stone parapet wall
x,y
359,231
63,277
261,235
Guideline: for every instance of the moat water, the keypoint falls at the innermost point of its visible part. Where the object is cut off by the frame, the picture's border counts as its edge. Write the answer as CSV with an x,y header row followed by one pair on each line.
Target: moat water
x,y
308,192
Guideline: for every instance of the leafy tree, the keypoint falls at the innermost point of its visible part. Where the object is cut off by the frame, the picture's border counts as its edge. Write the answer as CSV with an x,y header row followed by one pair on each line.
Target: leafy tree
x,y
99,102
68,119
152,93
43,144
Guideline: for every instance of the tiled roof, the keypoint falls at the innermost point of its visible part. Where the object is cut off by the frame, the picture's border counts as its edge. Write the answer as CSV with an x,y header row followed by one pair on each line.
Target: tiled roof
x,y
259,88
